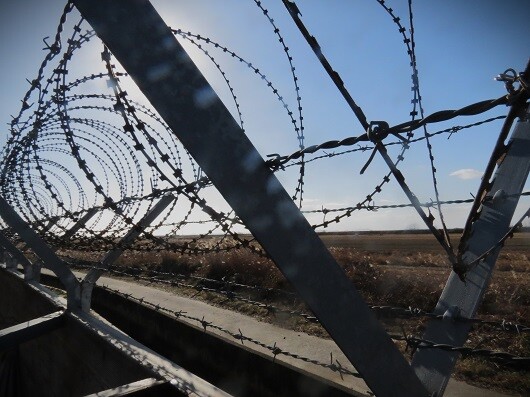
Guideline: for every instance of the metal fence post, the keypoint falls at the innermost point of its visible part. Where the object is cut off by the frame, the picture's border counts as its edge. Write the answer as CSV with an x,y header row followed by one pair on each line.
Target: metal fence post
x,y
44,252
152,56
462,299
87,285
32,269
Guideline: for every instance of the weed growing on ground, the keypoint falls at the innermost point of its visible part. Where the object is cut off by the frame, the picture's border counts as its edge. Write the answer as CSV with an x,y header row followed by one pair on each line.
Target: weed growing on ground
x,y
393,274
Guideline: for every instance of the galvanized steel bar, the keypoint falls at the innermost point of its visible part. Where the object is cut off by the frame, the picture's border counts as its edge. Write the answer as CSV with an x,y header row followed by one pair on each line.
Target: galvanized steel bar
x,y
462,299
43,251
33,272
44,229
145,47
28,330
141,387
94,274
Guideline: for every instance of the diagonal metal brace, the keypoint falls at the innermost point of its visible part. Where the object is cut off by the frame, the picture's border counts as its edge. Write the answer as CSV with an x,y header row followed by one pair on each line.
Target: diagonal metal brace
x,y
44,252
32,273
149,386
462,298
80,223
94,274
23,332
152,56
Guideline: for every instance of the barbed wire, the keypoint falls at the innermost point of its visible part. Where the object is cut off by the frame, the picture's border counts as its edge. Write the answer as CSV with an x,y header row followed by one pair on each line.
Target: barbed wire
x,y
499,244
416,89
335,77
451,131
441,116
412,342
73,151
429,204
373,207
274,349
128,110
205,182
226,289
490,355
226,292
109,204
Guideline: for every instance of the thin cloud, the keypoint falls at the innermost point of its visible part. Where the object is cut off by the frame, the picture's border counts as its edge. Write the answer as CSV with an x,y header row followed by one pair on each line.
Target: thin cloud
x,y
467,173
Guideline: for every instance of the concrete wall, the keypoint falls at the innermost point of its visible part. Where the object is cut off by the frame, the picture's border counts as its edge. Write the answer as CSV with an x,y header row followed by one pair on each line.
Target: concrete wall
x,y
20,304
73,361
70,361
230,366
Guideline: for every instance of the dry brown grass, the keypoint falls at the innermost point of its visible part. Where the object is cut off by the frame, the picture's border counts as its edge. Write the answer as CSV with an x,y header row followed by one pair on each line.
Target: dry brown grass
x,y
398,270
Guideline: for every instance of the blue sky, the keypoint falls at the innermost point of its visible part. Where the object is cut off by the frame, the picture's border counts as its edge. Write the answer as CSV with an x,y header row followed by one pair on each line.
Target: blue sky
x,y
460,47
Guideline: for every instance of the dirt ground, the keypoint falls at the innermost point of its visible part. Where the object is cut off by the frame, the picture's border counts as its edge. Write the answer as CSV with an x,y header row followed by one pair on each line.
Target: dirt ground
x,y
405,242
403,270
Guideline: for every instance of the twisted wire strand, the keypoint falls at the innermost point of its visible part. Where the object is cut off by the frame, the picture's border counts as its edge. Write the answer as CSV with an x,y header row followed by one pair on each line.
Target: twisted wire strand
x,y
226,288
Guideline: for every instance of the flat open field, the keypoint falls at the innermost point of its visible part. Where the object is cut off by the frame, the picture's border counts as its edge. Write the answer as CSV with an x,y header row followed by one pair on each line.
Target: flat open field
x,y
404,242
418,259
401,270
